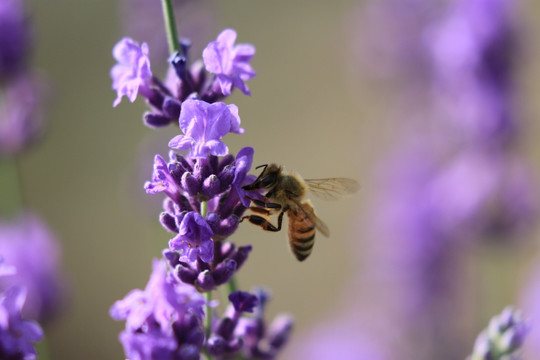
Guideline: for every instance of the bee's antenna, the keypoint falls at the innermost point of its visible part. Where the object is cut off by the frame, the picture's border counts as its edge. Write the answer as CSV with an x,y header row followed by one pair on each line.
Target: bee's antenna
x,y
262,172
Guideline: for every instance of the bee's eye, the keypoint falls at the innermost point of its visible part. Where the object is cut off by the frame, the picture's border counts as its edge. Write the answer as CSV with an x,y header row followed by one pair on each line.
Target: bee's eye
x,y
268,180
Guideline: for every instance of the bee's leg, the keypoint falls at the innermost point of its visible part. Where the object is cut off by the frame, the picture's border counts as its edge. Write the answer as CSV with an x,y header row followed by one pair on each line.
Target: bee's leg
x,y
263,222
263,204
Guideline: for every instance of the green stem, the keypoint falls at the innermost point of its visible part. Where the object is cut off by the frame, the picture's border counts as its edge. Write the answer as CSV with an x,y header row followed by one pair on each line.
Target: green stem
x,y
42,349
10,187
232,286
207,295
204,208
170,26
208,325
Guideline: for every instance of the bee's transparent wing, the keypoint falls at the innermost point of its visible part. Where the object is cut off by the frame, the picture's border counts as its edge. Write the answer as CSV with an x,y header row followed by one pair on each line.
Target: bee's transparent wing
x,y
310,213
332,188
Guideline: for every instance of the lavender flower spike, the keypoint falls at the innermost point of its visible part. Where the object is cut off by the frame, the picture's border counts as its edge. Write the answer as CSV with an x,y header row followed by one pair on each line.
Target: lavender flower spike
x,y
502,338
230,63
204,125
132,71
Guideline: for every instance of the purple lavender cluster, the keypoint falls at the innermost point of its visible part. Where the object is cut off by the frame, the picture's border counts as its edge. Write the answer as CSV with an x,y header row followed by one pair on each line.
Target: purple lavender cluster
x,y
204,202
229,64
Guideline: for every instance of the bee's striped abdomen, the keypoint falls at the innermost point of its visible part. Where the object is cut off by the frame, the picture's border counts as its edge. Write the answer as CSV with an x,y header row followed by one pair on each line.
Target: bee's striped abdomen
x,y
301,232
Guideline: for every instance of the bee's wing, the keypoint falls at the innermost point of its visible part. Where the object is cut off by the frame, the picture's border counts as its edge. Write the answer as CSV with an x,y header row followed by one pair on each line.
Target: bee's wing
x,y
332,188
310,213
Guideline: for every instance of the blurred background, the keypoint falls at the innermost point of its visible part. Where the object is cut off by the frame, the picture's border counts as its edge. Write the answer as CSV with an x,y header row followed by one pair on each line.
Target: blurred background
x,y
343,88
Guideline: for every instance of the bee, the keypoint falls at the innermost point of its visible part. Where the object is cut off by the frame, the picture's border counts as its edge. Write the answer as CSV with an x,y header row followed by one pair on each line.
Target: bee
x,y
285,194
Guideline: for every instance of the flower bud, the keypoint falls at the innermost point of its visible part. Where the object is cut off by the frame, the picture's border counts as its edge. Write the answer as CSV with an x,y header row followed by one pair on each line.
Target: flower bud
x,y
171,108
154,120
211,186
190,184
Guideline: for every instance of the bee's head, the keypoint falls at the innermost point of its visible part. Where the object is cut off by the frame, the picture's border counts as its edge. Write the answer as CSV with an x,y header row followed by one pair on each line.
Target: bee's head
x,y
267,178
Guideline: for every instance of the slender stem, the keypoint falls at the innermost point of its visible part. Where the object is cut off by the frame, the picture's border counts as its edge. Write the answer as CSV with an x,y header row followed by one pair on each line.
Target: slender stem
x,y
232,286
10,187
204,208
207,295
170,26
42,349
208,325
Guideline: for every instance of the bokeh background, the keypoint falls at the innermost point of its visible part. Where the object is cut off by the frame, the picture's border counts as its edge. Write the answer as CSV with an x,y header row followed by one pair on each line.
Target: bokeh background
x,y
316,108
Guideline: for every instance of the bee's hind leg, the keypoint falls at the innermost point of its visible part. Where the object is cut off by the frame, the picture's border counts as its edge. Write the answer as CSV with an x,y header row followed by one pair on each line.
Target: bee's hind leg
x,y
263,221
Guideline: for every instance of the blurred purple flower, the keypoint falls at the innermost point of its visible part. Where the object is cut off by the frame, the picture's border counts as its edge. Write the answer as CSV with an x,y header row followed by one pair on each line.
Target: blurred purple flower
x,y
132,72
230,63
28,245
503,338
193,239
6,269
204,125
14,38
260,339
21,113
474,51
339,337
16,334
461,183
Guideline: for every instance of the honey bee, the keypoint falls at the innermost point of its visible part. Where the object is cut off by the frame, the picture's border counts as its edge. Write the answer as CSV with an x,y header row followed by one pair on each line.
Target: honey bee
x,y
285,194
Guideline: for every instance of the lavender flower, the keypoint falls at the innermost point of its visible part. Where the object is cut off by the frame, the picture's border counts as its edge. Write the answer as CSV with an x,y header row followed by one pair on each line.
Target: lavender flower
x,y
204,125
193,238
132,76
14,38
230,63
203,206
503,338
162,322
187,182
132,72
227,260
28,245
204,260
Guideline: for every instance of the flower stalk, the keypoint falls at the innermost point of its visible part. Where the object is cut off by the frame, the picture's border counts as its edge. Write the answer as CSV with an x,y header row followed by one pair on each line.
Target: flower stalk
x,y
11,188
170,26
